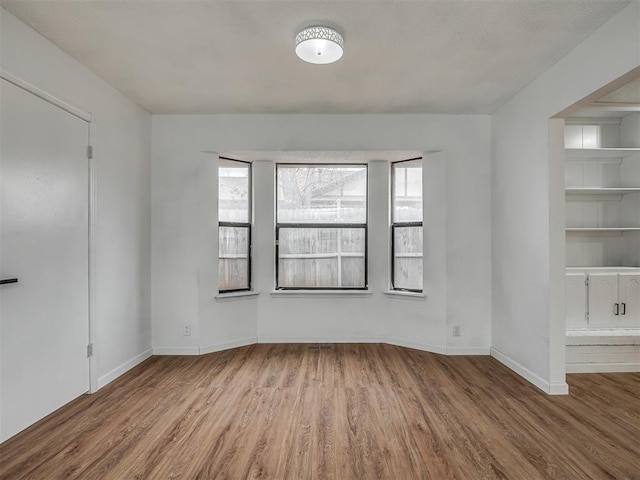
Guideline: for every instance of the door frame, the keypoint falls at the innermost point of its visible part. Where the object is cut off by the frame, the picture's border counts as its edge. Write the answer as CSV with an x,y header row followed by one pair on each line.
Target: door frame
x,y
92,181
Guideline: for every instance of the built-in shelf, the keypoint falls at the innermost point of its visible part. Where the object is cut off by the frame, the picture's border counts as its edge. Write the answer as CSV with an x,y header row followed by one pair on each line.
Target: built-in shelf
x,y
611,268
607,110
600,152
602,229
601,191
603,262
604,332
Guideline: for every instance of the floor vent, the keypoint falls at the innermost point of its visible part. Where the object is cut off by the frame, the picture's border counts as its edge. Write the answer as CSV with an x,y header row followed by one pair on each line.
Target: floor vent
x,y
320,347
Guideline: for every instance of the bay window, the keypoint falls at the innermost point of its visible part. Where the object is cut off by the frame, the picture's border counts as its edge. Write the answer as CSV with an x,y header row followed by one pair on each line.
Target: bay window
x,y
321,226
406,225
234,225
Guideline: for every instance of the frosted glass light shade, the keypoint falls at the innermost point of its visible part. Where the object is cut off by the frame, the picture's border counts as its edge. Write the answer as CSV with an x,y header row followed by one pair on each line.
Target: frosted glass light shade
x,y
319,45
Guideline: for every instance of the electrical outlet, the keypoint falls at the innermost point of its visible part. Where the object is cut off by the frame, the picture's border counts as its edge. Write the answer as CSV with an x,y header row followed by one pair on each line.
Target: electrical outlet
x,y
187,330
456,330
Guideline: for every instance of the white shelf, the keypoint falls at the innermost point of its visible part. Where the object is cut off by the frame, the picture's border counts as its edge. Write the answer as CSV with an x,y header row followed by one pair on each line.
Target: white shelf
x,y
601,191
612,269
602,229
607,110
600,152
604,332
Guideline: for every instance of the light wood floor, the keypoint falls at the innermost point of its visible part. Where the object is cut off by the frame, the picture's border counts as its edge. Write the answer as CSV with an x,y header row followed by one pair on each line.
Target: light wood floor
x,y
348,412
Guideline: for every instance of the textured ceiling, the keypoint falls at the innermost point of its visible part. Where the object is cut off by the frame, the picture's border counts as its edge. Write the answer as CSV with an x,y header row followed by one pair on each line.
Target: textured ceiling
x,y
629,93
447,56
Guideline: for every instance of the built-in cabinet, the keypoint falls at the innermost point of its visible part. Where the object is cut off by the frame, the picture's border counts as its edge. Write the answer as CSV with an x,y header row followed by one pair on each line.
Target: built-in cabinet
x,y
602,187
606,299
613,299
602,180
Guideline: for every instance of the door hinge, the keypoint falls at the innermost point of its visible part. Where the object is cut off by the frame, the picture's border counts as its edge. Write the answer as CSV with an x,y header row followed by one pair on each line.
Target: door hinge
x,y
90,350
89,152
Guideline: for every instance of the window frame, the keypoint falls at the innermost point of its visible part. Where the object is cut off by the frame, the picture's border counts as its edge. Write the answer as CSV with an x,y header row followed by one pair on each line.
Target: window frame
x,y
395,225
298,225
247,225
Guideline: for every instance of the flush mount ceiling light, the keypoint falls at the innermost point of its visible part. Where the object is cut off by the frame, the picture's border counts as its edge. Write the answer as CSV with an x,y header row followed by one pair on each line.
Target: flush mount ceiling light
x,y
319,45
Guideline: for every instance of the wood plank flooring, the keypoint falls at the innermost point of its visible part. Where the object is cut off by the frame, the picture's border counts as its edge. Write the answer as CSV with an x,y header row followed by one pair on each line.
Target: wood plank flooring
x,y
351,411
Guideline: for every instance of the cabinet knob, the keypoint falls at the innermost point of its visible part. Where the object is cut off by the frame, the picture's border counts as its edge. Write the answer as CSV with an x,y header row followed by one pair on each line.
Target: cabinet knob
x,y
624,308
616,309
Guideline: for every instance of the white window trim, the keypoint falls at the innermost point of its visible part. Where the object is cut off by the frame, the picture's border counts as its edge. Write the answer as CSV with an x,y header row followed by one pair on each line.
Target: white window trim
x,y
239,295
315,290
321,293
405,294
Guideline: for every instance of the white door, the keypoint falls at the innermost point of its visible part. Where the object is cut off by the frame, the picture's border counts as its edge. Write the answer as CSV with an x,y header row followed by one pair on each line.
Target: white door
x,y
576,300
44,244
629,296
603,297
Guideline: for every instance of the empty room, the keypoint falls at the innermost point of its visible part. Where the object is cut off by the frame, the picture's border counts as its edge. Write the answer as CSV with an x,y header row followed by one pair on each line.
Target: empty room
x,y
310,239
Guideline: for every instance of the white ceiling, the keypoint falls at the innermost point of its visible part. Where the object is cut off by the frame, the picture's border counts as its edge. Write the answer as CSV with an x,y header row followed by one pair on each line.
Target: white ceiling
x,y
446,56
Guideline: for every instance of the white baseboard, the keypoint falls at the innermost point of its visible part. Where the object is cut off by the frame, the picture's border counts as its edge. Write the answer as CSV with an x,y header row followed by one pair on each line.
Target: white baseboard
x,y
262,339
243,342
603,367
468,351
176,351
125,367
425,347
550,388
321,340
560,388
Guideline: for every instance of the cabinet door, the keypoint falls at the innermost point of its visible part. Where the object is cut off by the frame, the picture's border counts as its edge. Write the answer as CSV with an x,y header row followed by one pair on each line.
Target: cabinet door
x,y
603,296
629,296
576,300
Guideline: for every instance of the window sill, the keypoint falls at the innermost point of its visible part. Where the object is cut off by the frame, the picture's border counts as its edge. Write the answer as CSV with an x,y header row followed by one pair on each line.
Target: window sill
x,y
407,295
321,293
221,297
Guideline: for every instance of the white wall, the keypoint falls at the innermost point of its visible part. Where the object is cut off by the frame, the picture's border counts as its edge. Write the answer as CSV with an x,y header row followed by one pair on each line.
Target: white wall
x,y
184,279
122,147
527,201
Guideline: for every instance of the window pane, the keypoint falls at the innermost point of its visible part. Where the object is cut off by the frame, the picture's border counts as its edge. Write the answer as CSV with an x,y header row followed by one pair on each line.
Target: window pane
x,y
352,271
322,194
321,257
407,258
407,191
233,191
233,258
